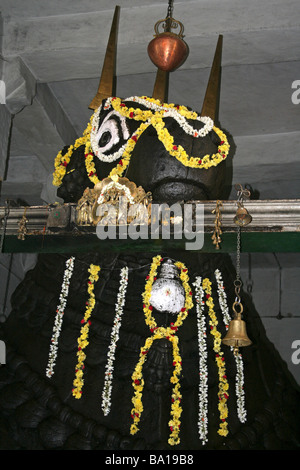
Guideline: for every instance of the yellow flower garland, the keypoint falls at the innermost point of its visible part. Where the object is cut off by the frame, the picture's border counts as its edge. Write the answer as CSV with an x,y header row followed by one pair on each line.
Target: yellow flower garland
x,y
61,161
123,163
159,333
149,118
220,360
83,338
168,141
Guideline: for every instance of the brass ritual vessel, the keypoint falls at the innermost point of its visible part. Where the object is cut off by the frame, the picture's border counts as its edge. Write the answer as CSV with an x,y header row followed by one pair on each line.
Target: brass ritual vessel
x,y
168,50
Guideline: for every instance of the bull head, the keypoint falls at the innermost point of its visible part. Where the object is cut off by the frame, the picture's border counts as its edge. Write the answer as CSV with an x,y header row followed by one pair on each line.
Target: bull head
x,y
169,150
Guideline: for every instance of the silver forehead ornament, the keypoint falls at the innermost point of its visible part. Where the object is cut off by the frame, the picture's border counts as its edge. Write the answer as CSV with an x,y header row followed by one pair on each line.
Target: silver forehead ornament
x,y
167,293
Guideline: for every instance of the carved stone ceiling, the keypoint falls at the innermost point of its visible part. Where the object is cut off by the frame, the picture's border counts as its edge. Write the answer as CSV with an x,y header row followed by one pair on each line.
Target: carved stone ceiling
x,y
53,53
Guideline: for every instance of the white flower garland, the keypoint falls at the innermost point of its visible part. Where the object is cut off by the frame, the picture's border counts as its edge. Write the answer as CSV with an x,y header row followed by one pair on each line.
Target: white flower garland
x,y
107,389
175,114
203,373
239,383
94,139
169,111
59,316
239,388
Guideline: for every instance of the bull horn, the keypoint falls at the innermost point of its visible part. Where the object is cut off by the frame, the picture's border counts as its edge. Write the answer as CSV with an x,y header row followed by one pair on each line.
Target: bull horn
x,y
211,99
106,87
161,86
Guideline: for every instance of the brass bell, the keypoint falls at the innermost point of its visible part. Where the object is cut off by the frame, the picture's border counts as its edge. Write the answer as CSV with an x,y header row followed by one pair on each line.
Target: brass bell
x,y
237,335
242,217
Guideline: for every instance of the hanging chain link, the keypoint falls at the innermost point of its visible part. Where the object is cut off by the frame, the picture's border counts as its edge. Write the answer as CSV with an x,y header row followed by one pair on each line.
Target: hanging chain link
x,y
238,254
170,9
238,282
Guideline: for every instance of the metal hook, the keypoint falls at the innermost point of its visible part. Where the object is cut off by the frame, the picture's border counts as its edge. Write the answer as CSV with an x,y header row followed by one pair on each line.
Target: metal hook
x,y
241,192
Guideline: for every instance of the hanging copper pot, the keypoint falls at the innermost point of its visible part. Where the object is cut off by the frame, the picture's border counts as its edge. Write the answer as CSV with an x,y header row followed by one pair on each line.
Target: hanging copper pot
x,y
168,50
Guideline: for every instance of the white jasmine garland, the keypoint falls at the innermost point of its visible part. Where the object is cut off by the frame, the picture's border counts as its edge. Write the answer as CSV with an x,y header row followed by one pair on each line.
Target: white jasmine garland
x,y
109,158
175,114
203,373
239,381
239,388
59,316
107,389
170,111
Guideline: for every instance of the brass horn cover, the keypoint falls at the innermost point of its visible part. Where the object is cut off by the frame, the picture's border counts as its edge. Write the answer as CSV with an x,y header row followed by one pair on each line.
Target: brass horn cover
x,y
168,51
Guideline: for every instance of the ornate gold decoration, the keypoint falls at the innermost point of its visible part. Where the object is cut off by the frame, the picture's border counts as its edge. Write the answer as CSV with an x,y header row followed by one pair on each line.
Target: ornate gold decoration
x,y
118,193
85,206
22,231
216,237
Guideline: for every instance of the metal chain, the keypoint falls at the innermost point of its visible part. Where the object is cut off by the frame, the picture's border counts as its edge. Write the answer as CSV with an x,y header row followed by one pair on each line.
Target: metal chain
x,y
238,282
238,254
170,9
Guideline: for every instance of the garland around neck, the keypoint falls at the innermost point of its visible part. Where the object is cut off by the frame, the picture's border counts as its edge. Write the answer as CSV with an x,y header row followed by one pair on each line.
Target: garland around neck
x,y
159,332
206,321
153,115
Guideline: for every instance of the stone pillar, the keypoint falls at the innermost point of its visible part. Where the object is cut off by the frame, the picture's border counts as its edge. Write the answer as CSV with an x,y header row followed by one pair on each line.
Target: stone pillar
x,y
5,129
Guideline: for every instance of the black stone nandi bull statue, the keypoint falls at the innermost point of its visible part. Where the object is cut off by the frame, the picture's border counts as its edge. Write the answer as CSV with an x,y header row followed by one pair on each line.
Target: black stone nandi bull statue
x,y
123,351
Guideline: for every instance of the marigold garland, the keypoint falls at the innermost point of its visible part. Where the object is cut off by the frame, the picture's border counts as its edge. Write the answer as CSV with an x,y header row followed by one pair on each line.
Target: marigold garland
x,y
154,115
159,333
84,332
239,382
203,371
164,136
59,316
107,389
62,160
219,358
